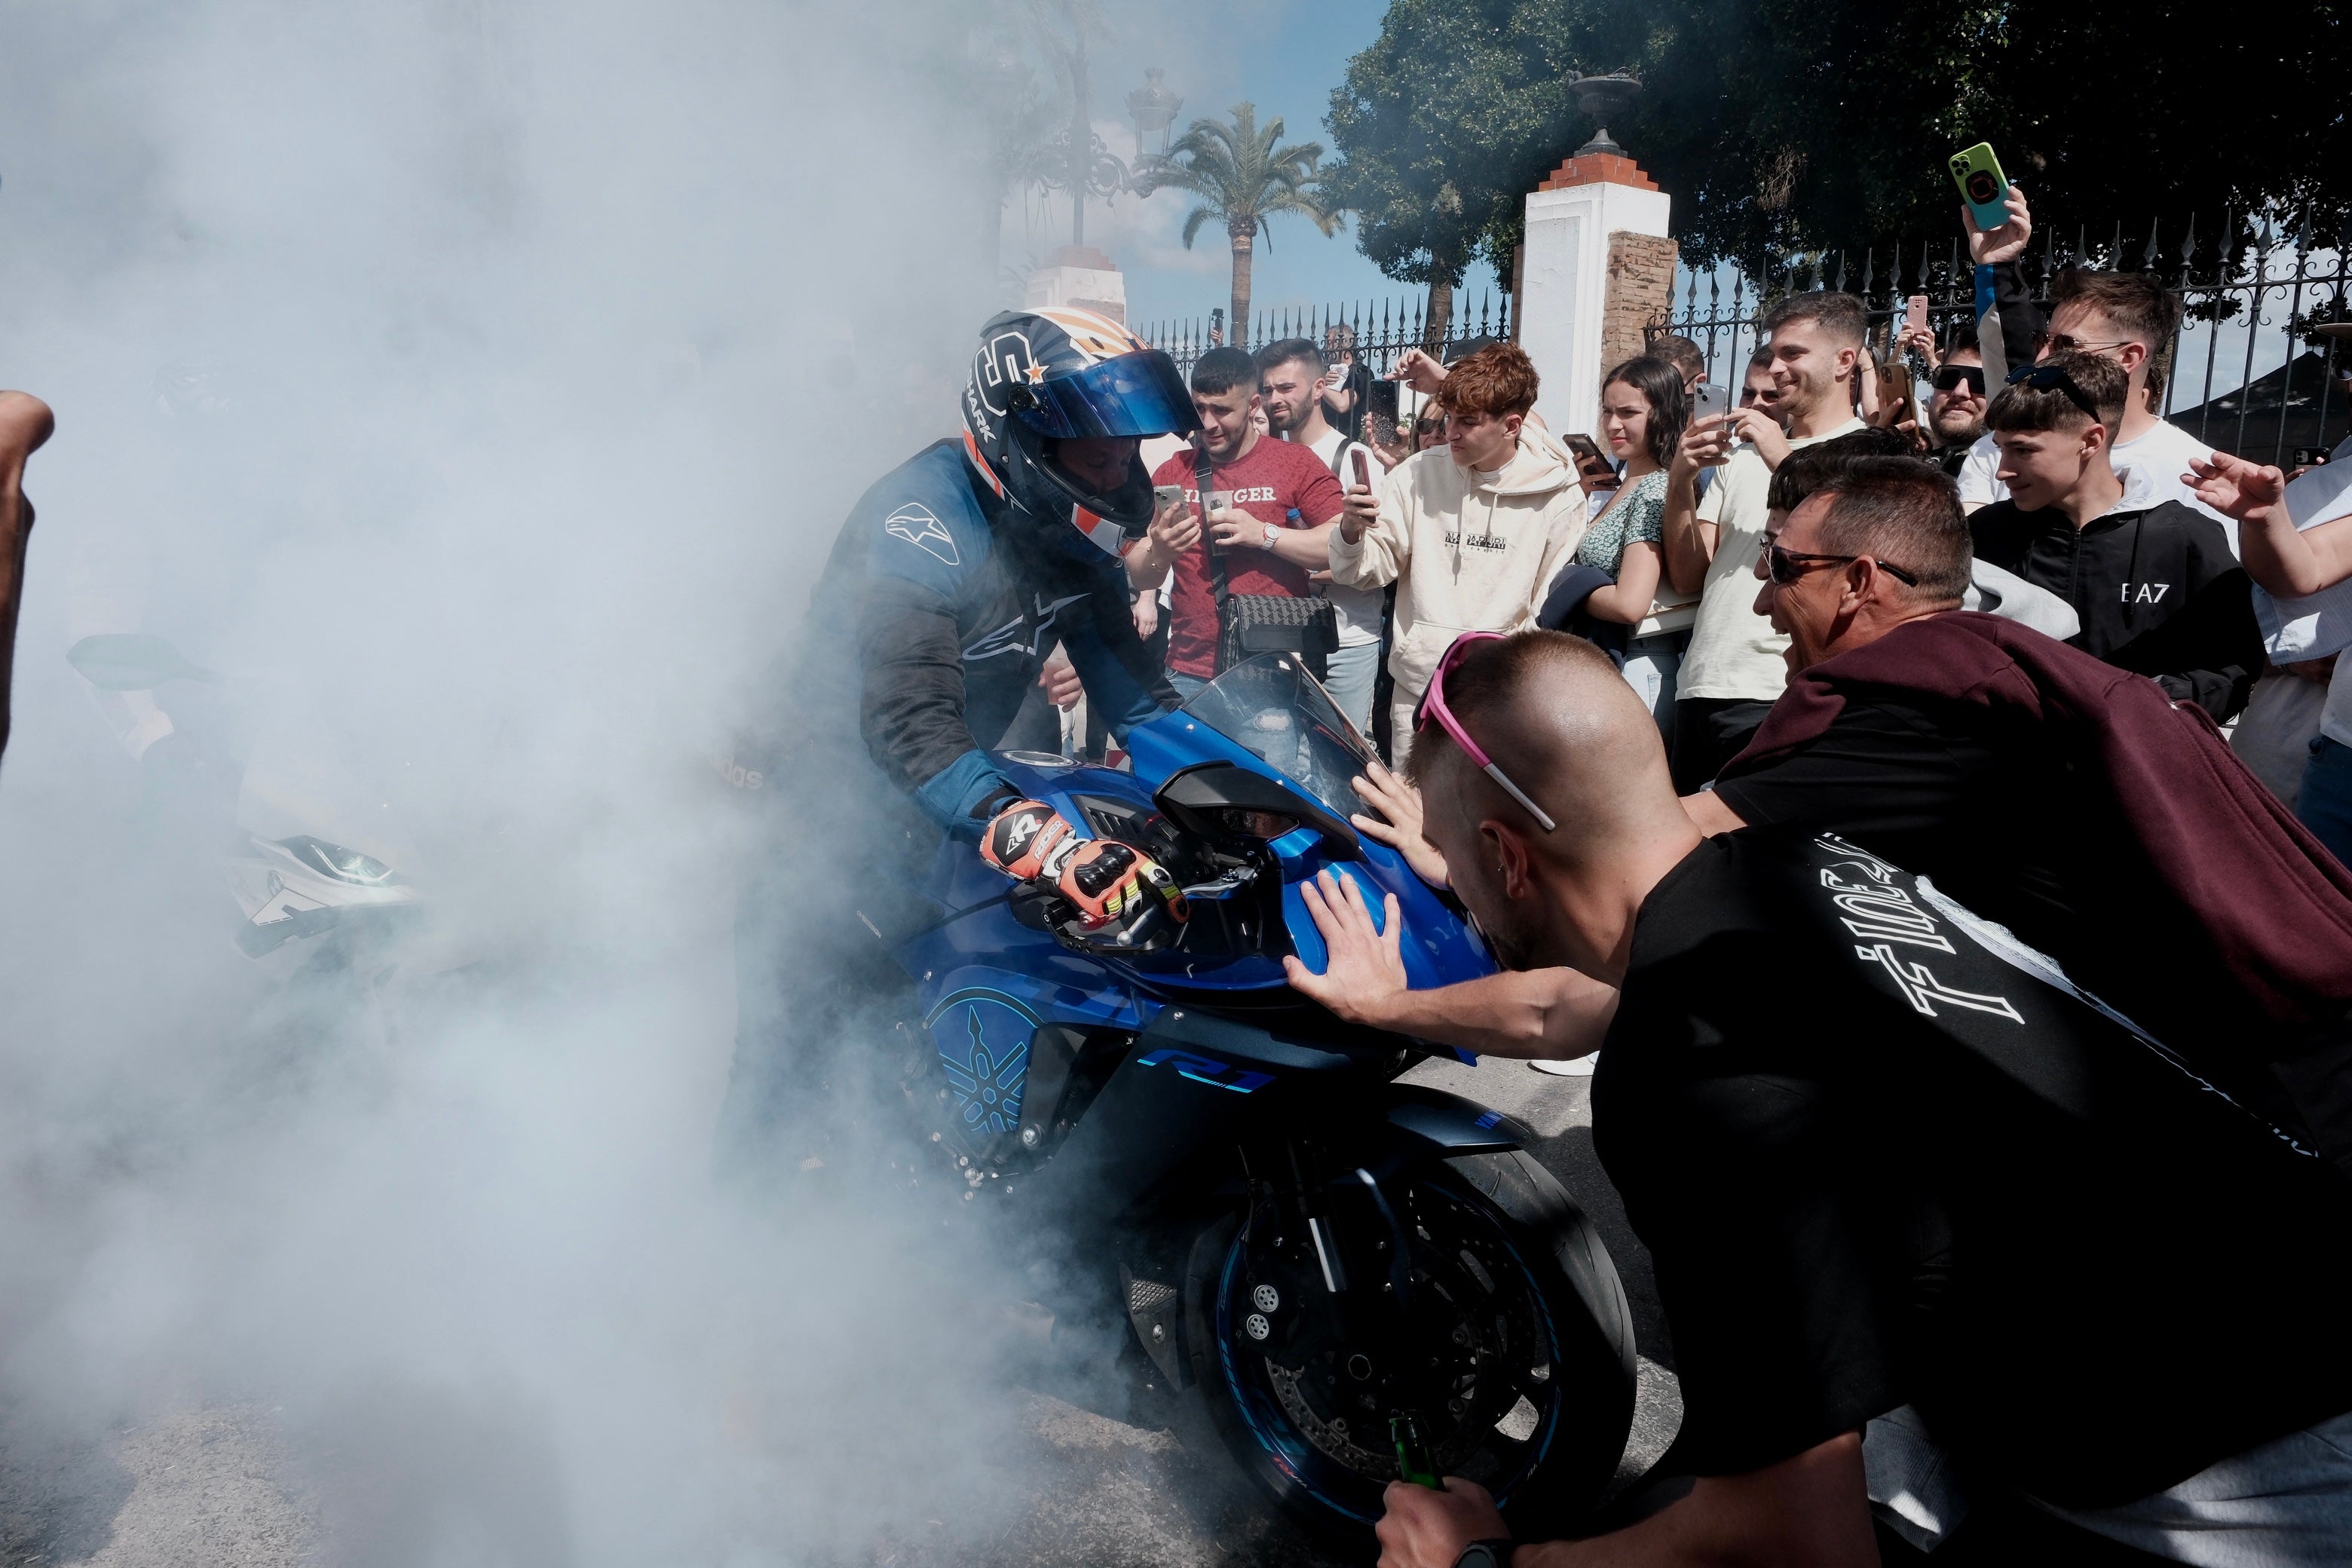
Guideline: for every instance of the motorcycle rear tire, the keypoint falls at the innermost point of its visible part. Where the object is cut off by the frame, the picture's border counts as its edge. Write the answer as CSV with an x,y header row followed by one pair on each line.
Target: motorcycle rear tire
x,y
1563,1263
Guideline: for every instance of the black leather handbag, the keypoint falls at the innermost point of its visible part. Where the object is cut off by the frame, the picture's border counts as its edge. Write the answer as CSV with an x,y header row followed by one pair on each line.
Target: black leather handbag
x,y
1252,624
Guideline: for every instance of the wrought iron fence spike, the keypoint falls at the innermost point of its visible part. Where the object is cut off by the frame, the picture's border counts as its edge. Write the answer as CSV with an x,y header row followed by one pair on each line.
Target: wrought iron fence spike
x,y
2188,241
2115,250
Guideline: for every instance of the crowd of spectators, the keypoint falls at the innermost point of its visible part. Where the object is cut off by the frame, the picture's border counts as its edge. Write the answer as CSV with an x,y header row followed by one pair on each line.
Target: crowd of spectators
x,y
1975,660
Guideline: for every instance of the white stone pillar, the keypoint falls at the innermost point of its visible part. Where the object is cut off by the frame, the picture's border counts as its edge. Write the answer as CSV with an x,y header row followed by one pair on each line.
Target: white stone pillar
x,y
1596,232
1084,278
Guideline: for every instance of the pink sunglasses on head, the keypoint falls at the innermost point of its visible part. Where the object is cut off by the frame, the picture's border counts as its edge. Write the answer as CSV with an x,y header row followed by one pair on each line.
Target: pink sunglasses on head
x,y
1433,707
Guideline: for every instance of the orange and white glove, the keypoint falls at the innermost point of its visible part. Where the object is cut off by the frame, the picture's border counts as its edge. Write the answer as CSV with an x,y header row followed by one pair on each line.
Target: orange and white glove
x,y
1115,884
1028,841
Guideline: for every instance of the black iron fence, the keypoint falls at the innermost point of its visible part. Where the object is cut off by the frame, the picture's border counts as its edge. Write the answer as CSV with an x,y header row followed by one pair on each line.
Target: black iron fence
x,y
2246,372
1380,330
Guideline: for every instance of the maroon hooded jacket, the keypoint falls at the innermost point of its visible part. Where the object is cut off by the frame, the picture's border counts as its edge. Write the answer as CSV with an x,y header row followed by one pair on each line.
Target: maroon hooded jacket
x,y
2277,905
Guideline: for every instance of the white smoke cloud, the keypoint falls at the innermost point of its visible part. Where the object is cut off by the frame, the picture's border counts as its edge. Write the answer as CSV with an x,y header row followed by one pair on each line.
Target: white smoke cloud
x,y
542,347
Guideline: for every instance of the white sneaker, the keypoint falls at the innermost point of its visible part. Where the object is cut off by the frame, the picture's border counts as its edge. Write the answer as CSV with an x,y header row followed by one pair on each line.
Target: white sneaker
x,y
1580,1067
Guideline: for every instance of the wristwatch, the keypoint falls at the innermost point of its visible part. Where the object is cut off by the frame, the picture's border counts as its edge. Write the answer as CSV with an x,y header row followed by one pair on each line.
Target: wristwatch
x,y
1493,1553
1273,532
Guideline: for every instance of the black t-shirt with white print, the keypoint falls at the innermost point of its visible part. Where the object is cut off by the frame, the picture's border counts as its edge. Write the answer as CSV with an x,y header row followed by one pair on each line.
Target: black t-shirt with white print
x,y
1876,1162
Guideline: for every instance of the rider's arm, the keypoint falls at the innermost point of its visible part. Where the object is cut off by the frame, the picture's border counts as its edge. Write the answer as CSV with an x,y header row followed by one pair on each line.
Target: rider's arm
x,y
1125,685
25,423
910,704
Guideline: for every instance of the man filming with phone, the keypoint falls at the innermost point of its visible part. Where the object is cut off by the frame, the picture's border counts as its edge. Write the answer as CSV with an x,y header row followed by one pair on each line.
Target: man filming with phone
x,y
1258,487
1733,671
1290,375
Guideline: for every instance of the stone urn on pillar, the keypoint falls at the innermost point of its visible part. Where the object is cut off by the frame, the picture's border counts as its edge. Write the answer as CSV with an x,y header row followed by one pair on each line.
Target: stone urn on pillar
x,y
1597,266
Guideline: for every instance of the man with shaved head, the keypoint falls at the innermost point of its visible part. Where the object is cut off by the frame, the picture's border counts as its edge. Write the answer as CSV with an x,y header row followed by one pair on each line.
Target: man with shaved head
x,y
1883,1158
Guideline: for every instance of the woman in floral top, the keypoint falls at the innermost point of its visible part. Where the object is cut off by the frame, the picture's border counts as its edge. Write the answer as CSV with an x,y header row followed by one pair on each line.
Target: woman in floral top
x,y
1643,410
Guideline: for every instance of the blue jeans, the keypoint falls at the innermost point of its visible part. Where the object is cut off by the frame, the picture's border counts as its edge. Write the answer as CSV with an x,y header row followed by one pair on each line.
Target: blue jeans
x,y
1187,686
1652,665
2326,803
1352,672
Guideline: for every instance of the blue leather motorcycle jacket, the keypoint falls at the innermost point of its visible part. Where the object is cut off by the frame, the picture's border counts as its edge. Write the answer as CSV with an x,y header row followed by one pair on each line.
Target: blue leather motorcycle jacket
x,y
953,597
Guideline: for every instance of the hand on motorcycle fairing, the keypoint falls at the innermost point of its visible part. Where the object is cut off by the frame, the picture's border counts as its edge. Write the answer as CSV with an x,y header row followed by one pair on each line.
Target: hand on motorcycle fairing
x,y
1364,967
1396,822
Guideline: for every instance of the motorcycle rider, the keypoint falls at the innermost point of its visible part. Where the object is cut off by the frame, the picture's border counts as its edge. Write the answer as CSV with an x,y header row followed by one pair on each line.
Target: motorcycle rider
x,y
953,578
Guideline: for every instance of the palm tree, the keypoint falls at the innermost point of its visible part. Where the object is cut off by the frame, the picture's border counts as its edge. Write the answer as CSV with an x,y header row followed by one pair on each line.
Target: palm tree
x,y
1243,176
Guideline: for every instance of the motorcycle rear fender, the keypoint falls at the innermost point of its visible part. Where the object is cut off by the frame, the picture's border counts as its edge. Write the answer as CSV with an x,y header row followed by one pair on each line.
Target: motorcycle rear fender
x,y
1446,1125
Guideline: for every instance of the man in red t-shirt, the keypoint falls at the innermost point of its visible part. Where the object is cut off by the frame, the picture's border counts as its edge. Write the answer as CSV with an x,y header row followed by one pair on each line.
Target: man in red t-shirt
x,y
1257,484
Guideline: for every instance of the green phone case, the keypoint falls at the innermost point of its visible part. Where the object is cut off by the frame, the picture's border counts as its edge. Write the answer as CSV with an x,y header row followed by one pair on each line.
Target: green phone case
x,y
1972,168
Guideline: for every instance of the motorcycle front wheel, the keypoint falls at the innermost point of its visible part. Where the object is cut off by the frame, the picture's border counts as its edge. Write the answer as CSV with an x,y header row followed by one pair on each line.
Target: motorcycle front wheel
x,y
1512,1348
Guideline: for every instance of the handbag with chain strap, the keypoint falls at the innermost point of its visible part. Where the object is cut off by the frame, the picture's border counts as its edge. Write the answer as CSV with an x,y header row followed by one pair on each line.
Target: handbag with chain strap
x,y
1252,624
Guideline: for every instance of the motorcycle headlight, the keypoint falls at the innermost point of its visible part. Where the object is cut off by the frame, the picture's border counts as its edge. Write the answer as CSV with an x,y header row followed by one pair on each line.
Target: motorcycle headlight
x,y
334,860
1251,824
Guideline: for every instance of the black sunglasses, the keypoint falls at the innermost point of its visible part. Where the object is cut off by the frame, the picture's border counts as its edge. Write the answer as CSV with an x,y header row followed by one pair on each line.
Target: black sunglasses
x,y
1952,375
1785,567
2043,376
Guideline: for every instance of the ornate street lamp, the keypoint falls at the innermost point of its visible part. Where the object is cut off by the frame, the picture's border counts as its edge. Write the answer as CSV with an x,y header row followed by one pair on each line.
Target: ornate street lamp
x,y
1083,166
1153,109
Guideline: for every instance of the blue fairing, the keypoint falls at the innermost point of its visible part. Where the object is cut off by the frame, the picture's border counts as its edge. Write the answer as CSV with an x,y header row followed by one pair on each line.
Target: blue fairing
x,y
987,982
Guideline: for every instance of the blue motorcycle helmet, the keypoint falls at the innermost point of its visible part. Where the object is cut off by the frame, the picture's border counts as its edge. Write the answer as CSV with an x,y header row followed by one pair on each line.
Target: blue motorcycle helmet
x,y
1059,373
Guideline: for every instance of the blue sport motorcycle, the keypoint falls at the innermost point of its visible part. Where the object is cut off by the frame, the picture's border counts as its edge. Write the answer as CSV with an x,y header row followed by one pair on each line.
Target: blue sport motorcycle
x,y
1328,1259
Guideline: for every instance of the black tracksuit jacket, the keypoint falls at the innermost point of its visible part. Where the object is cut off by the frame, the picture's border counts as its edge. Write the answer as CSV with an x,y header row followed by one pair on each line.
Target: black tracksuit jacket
x,y
2157,587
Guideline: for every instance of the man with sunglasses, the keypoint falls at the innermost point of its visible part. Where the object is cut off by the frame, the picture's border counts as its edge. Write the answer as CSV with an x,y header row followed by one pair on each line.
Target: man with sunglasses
x,y
1956,407
2156,583
1888,1166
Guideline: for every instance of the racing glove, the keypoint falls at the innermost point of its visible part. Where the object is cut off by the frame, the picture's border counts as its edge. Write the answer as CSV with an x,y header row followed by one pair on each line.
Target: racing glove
x,y
1117,884
1028,841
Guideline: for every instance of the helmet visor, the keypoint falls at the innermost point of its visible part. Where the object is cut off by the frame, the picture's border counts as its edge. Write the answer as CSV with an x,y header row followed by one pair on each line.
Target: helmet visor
x,y
1138,394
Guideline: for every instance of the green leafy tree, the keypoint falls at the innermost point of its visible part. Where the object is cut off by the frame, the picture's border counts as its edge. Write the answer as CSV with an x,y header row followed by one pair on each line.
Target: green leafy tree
x,y
1243,175
1434,127
1780,128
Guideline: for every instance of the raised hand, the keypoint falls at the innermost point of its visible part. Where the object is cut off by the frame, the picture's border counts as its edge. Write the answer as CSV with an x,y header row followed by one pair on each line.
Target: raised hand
x,y
1419,371
2004,241
2235,487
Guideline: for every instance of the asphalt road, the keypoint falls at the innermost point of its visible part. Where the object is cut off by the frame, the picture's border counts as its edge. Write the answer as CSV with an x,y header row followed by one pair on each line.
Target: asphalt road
x,y
218,1486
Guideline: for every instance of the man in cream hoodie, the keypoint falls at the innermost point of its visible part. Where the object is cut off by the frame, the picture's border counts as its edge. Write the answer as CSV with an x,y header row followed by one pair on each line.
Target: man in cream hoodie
x,y
1472,534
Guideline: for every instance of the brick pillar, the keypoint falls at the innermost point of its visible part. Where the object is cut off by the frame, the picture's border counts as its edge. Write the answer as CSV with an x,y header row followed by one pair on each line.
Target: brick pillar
x,y
1639,294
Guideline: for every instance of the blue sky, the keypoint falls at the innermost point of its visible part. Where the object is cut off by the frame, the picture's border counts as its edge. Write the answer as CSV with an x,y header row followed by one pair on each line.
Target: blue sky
x,y
1284,55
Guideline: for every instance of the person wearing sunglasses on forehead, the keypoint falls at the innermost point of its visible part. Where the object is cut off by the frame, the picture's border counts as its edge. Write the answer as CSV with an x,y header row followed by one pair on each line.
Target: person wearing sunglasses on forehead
x,y
1818,1065
2130,320
2156,583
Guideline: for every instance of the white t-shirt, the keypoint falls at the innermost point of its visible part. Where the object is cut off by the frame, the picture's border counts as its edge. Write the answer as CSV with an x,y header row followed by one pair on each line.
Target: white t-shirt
x,y
1734,652
1359,609
2150,465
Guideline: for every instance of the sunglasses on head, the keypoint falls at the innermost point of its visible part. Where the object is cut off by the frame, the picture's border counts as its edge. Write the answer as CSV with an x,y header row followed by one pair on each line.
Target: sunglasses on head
x,y
1785,567
2067,344
2043,376
1952,375
1432,710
